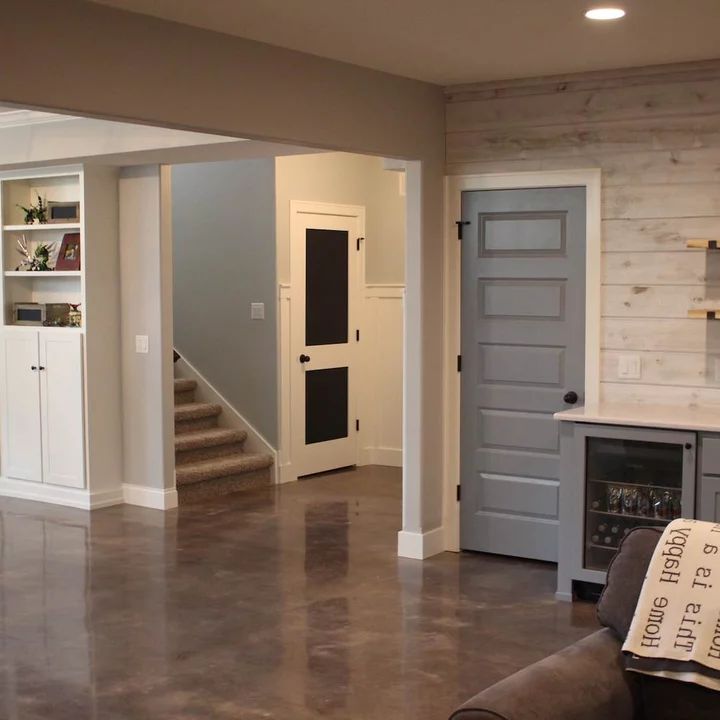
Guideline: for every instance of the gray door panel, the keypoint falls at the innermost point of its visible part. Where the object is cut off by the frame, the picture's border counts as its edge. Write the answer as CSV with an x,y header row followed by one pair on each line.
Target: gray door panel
x,y
506,462
541,399
523,346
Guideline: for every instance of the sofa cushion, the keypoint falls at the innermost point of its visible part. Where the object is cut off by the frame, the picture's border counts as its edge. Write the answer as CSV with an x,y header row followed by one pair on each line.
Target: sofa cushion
x,y
664,699
625,578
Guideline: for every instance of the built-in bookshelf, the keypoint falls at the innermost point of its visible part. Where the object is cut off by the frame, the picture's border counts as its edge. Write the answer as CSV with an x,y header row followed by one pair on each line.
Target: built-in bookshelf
x,y
60,391
21,285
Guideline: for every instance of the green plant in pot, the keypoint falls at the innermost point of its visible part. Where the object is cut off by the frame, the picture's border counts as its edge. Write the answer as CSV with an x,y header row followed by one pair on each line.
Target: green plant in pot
x,y
29,214
34,260
35,212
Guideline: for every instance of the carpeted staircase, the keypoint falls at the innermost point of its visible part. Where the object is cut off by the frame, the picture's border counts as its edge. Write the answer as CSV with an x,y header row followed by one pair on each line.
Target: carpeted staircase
x,y
209,459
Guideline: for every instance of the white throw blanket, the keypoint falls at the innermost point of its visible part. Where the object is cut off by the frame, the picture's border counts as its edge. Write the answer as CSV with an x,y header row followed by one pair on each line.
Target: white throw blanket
x,y
675,632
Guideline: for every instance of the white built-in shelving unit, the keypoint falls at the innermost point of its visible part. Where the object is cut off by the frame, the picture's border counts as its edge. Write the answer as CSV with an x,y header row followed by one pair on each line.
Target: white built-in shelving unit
x,y
60,392
23,189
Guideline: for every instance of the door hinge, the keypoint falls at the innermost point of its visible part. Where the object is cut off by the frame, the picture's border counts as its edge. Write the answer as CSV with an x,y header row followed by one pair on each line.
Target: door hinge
x,y
357,336
459,363
359,240
460,224
357,425
458,492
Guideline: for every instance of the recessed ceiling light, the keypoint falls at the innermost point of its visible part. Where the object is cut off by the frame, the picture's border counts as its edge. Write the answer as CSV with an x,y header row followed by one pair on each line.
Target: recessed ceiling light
x,y
605,13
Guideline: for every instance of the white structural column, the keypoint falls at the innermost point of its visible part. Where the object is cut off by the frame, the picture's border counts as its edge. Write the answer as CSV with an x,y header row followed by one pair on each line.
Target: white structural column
x,y
146,298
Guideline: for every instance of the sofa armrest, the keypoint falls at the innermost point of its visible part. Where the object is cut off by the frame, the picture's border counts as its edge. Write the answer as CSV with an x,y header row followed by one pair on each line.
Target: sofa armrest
x,y
585,681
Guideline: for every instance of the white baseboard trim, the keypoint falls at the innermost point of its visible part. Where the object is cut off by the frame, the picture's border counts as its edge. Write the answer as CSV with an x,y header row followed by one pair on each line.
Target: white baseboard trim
x,y
56,495
392,457
418,546
230,417
286,474
156,498
564,597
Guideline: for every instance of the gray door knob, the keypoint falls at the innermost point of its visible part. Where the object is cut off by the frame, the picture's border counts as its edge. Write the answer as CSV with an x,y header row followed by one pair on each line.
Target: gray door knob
x,y
570,397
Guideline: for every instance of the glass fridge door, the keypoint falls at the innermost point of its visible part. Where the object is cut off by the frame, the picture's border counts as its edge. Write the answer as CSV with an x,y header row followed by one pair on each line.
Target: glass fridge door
x,y
628,483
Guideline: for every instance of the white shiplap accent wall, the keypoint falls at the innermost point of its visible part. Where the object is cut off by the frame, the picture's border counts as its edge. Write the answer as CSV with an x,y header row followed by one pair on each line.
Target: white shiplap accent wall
x,y
655,133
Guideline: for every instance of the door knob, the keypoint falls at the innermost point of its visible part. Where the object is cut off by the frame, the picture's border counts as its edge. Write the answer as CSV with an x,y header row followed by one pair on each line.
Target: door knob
x,y
304,358
570,397
33,367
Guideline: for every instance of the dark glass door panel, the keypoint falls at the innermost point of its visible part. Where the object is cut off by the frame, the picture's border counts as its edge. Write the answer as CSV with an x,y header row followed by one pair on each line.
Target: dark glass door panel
x,y
326,405
629,483
326,287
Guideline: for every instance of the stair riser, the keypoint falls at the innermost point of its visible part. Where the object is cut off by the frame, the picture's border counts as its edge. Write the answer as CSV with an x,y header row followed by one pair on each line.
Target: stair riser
x,y
183,457
184,397
224,486
183,426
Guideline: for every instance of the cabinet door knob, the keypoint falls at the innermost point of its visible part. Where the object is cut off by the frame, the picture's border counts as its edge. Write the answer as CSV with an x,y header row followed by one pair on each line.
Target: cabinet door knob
x,y
570,397
304,358
42,367
33,367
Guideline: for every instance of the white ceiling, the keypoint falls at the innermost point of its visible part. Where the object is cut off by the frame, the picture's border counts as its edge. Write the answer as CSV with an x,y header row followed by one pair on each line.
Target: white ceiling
x,y
456,41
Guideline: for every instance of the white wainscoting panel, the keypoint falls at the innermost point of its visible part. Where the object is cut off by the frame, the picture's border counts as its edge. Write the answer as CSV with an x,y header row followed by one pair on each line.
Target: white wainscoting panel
x,y
381,350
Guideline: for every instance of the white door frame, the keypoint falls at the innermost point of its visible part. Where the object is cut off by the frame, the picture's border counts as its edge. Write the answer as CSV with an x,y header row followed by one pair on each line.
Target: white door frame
x,y
454,187
289,335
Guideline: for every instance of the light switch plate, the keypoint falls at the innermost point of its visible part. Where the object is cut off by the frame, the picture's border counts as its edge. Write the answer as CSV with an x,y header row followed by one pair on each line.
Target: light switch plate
x,y
257,311
629,367
141,344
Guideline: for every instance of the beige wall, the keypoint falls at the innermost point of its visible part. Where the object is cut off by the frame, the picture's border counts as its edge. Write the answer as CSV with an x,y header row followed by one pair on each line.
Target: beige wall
x,y
655,133
118,65
349,179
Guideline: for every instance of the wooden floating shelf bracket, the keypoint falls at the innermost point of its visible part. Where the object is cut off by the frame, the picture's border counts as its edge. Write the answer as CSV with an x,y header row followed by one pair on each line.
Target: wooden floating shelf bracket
x,y
704,314
703,244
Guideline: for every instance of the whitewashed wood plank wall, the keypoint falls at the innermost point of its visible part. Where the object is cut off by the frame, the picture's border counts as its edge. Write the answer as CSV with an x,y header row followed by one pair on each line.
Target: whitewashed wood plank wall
x,y
655,133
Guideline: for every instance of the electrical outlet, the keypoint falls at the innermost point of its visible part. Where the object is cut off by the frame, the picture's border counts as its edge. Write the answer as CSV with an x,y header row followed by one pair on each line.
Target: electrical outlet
x,y
257,311
629,367
141,344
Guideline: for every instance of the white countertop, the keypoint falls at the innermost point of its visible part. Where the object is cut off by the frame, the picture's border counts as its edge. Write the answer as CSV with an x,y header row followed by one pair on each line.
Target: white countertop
x,y
636,414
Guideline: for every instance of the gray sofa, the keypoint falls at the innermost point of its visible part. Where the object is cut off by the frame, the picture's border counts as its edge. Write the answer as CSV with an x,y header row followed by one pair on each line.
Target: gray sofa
x,y
587,681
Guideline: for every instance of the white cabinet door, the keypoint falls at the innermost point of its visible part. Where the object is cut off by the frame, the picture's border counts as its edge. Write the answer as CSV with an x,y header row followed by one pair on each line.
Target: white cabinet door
x,y
61,378
22,447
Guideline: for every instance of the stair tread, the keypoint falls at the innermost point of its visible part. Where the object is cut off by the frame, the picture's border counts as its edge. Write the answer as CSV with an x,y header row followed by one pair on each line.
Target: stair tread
x,y
221,467
196,410
184,385
212,437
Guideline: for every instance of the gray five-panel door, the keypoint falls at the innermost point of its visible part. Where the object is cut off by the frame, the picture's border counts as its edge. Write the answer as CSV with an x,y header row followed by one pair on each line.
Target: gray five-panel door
x,y
523,348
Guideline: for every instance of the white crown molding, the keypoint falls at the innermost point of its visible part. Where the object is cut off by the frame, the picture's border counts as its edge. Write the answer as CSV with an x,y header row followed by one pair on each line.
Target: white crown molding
x,y
19,118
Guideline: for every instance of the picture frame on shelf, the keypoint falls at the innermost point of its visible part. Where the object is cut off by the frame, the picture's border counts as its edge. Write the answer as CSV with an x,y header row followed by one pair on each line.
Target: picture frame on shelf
x,y
63,212
69,256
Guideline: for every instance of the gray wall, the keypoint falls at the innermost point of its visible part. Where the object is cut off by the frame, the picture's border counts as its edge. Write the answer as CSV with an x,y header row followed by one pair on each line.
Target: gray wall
x,y
224,259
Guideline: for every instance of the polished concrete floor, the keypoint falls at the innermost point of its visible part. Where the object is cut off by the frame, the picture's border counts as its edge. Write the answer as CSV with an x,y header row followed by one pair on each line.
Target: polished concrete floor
x,y
284,603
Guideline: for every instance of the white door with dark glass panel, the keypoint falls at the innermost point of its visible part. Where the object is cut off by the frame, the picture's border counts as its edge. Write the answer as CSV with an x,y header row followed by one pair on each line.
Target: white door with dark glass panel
x,y
523,350
325,275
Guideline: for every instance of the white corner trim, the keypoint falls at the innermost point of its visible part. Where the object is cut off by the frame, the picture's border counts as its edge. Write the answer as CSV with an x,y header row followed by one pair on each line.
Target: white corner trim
x,y
418,545
230,417
286,473
591,179
156,498
57,495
